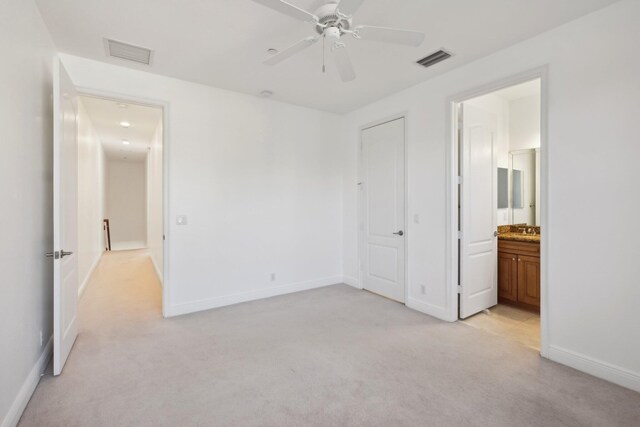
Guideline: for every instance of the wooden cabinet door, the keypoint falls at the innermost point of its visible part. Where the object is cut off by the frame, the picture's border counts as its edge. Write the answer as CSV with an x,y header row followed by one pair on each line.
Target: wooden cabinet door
x,y
529,280
508,276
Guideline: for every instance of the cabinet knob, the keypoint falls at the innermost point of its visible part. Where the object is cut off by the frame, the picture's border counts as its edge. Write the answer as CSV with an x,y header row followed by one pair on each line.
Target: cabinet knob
x,y
513,259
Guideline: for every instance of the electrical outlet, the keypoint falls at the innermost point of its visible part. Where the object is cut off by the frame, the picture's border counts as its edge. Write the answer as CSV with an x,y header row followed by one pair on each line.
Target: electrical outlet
x,y
41,339
273,277
423,289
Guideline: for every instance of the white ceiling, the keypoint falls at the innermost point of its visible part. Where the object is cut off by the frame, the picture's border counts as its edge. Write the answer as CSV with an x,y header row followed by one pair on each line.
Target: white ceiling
x,y
106,116
222,43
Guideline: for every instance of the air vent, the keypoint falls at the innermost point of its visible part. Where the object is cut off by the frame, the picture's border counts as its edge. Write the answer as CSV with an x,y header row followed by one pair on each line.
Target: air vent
x,y
434,58
128,52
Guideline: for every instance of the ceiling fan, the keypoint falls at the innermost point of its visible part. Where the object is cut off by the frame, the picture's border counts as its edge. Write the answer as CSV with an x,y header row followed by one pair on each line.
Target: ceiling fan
x,y
332,21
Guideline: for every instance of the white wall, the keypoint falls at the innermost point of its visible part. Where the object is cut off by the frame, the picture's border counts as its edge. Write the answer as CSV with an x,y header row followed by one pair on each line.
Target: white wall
x,y
592,148
90,197
26,225
524,123
127,203
155,226
260,182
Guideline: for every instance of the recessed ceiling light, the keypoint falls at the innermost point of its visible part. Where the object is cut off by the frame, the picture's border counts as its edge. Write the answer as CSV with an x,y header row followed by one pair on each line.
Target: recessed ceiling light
x,y
125,124
266,93
272,51
121,105
125,142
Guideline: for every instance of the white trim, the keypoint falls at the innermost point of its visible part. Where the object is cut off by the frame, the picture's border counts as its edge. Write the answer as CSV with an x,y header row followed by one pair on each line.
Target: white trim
x,y
403,115
221,301
452,192
28,387
351,281
429,309
85,282
97,93
597,368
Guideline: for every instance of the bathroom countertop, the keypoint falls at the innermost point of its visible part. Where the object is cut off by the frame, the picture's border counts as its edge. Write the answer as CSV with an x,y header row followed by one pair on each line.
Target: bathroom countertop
x,y
519,237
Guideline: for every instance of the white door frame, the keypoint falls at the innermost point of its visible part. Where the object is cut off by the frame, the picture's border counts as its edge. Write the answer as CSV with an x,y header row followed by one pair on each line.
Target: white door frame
x,y
452,191
361,235
164,105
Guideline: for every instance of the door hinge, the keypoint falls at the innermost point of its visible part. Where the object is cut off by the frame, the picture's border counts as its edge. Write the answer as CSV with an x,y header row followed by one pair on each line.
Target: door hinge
x,y
54,255
460,289
459,234
163,237
459,180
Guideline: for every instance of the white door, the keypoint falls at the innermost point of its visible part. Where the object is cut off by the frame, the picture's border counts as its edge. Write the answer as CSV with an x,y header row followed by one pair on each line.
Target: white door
x,y
65,211
383,192
478,212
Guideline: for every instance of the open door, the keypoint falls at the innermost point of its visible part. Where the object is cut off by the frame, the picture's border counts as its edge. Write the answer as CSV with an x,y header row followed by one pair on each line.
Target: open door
x,y
65,211
478,211
383,192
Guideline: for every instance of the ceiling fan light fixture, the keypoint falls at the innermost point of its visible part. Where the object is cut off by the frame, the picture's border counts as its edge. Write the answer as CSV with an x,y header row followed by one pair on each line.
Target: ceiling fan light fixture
x,y
332,21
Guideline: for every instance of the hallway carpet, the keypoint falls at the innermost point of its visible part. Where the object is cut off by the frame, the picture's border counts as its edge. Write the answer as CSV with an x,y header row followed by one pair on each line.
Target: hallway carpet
x,y
333,356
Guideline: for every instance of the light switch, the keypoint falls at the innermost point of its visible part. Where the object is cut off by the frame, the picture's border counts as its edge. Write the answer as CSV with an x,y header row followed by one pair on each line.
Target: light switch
x,y
181,220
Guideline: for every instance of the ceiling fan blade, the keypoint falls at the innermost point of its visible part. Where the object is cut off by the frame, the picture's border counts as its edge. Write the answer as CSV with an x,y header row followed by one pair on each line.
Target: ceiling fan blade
x,y
390,35
343,63
349,7
291,50
289,9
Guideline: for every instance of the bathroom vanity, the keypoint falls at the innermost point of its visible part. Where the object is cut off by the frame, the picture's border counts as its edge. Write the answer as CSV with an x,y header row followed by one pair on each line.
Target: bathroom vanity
x,y
519,267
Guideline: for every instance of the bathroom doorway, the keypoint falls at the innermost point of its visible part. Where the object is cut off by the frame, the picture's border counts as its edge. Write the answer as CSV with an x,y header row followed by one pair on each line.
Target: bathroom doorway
x,y
498,141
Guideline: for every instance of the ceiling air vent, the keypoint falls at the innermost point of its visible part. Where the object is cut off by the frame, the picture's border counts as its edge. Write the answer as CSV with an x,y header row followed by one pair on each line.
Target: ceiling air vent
x,y
128,52
434,58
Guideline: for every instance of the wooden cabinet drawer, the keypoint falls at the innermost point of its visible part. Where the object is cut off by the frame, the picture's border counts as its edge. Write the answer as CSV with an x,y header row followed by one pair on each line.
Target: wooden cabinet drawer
x,y
514,247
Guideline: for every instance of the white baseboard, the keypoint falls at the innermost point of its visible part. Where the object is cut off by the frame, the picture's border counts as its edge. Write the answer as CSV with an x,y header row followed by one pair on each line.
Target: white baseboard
x,y
129,245
597,368
85,282
351,281
438,312
206,304
28,387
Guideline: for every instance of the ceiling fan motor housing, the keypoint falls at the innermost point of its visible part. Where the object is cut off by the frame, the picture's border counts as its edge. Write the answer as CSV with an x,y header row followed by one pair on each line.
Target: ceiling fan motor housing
x,y
329,18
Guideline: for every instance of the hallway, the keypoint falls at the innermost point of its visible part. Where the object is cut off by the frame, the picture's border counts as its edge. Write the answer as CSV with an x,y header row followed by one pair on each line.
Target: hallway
x,y
329,356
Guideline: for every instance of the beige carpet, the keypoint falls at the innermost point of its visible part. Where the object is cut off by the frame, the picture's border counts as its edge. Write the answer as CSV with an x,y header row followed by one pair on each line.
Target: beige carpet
x,y
331,356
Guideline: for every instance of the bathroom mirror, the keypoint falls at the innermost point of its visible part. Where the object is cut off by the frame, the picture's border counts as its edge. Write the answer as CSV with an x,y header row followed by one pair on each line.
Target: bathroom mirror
x,y
518,188
503,188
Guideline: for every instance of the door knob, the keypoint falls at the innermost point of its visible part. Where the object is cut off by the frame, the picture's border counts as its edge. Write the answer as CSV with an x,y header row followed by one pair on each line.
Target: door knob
x,y
65,253
495,234
399,233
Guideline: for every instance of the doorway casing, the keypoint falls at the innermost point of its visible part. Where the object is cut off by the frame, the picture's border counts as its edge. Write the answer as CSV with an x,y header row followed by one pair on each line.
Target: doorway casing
x,y
164,105
452,191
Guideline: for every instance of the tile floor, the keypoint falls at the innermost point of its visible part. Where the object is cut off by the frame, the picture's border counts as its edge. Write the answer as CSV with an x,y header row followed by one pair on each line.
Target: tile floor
x,y
510,322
